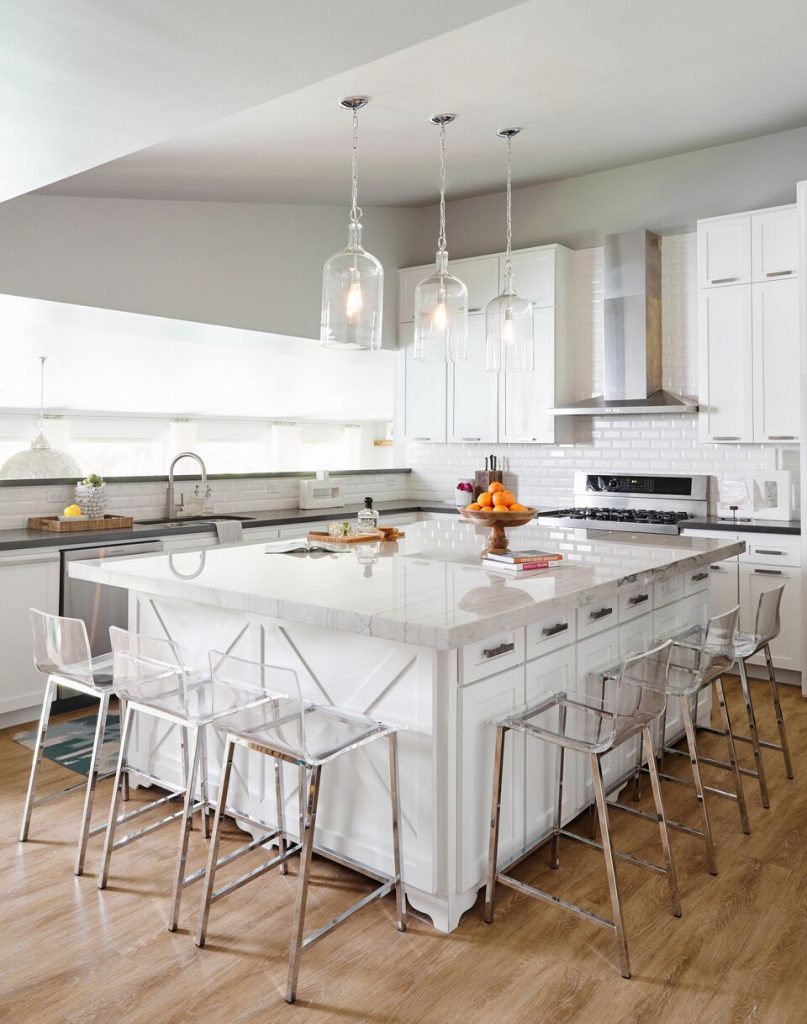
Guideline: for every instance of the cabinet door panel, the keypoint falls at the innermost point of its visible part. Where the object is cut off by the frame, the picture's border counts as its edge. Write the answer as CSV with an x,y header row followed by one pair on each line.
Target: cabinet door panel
x,y
724,251
528,397
473,402
424,394
726,365
480,706
723,587
593,654
25,582
545,675
534,276
776,361
757,580
408,280
480,275
775,244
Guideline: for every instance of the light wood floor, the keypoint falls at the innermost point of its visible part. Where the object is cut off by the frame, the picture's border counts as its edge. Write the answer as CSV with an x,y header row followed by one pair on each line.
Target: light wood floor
x,y
739,954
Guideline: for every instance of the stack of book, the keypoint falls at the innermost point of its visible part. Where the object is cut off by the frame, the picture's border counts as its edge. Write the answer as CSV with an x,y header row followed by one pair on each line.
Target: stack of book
x,y
522,561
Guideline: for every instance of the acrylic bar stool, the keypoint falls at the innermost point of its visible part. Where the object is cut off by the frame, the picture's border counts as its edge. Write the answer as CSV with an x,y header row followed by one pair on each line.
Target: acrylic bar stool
x,y
591,725
691,671
746,645
293,730
153,678
62,650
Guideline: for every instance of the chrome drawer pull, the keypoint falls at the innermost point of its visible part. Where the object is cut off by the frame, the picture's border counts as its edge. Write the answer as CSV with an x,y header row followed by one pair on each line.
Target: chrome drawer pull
x,y
639,599
421,439
717,568
768,551
723,280
768,572
474,309
494,652
726,437
778,273
472,439
781,437
561,627
600,614
700,576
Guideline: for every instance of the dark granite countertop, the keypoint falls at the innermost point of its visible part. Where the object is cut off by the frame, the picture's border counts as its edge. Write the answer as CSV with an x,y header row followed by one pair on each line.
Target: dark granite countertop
x,y
792,526
23,538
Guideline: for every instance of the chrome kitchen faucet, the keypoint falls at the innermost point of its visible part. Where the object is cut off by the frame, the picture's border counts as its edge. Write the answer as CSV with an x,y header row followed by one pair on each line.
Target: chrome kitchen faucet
x,y
200,504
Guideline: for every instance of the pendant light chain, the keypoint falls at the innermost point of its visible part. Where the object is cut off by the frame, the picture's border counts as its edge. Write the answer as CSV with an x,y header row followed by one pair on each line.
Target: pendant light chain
x,y
508,266
355,209
441,240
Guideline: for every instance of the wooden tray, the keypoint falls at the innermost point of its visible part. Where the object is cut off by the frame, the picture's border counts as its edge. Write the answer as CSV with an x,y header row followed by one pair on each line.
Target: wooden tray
x,y
359,538
54,525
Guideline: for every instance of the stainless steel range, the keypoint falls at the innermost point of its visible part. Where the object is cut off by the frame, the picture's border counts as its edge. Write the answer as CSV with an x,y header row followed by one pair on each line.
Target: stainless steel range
x,y
640,504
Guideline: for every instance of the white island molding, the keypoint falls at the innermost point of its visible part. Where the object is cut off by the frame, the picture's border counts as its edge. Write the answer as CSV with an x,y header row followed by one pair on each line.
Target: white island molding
x,y
424,637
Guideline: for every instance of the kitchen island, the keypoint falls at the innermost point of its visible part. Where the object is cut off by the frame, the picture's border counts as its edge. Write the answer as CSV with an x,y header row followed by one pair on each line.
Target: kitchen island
x,y
417,633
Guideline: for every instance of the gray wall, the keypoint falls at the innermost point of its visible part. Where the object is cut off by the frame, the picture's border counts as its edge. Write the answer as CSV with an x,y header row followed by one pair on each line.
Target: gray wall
x,y
666,195
237,264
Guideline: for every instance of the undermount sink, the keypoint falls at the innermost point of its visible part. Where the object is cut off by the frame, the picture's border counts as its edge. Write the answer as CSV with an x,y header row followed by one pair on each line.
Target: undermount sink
x,y
179,521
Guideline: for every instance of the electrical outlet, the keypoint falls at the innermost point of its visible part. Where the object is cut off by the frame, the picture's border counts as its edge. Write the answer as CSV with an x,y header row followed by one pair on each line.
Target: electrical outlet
x,y
55,494
771,495
389,481
275,487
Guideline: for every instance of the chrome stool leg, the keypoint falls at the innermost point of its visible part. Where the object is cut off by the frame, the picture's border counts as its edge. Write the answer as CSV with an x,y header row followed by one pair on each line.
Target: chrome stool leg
x,y
281,815
495,815
302,887
655,785
738,781
692,744
109,838
752,728
610,866
554,855
204,793
196,748
125,779
215,841
395,801
39,746
780,721
92,779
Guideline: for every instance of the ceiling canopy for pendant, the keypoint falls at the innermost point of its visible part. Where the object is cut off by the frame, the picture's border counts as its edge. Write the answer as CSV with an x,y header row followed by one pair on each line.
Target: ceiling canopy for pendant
x,y
352,279
441,301
509,321
40,461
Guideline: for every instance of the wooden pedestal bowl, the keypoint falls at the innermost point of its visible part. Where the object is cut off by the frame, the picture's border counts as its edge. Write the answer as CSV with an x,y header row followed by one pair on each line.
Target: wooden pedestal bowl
x,y
498,522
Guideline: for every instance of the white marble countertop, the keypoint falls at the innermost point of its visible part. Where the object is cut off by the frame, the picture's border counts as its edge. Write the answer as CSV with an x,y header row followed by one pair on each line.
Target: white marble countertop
x,y
428,589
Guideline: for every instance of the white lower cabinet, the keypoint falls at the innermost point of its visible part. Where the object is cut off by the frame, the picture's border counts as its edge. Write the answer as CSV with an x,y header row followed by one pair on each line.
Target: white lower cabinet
x,y
756,580
27,580
481,704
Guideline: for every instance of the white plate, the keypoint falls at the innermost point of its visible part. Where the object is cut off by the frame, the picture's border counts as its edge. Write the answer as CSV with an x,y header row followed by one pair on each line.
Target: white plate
x,y
71,519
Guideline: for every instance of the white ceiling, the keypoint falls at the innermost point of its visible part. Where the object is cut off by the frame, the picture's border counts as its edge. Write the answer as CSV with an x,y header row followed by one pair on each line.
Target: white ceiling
x,y
86,81
595,85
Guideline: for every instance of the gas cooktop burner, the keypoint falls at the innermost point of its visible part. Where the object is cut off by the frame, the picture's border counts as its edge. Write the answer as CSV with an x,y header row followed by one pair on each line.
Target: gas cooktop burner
x,y
640,519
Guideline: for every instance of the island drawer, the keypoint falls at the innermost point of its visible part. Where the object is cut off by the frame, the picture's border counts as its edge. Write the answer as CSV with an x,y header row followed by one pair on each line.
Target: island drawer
x,y
635,600
599,615
696,580
669,590
495,654
551,633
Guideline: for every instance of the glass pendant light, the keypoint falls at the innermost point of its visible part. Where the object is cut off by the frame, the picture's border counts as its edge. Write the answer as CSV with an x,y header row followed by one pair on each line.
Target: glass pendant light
x,y
441,301
40,461
352,280
508,318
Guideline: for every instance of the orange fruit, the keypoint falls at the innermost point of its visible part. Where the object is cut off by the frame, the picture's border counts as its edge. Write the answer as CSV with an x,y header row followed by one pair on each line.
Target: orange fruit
x,y
500,499
516,507
508,495
489,508
495,486
485,499
474,506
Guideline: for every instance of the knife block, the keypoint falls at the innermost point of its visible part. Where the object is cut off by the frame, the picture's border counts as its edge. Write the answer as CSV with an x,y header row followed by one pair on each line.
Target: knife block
x,y
483,478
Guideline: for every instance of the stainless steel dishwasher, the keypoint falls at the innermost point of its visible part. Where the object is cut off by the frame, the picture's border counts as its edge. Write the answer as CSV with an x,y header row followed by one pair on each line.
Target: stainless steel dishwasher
x,y
98,605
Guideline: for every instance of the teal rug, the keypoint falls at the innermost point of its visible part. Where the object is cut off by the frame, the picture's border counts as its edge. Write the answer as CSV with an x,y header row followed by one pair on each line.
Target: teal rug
x,y
70,743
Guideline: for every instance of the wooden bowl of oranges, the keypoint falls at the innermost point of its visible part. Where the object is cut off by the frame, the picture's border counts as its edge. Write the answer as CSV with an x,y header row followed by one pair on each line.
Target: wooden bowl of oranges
x,y
497,508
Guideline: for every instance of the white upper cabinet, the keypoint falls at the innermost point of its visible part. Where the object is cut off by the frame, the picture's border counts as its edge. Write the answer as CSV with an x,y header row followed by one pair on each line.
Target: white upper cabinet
x,y
480,275
526,398
776,360
408,280
534,271
775,244
473,400
726,368
424,393
724,251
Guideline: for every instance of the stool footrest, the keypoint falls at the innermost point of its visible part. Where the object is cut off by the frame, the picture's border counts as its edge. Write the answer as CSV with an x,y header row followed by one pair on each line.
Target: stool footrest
x,y
59,793
637,862
768,744
148,829
654,818
225,890
713,762
376,894
540,894
691,785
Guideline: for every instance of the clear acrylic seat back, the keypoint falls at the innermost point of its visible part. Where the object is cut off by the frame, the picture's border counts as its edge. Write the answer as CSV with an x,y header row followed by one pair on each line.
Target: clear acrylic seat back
x,y
61,646
767,624
144,666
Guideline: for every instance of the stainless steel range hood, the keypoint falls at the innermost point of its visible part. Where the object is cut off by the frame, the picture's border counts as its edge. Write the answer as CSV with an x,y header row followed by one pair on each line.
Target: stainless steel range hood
x,y
632,332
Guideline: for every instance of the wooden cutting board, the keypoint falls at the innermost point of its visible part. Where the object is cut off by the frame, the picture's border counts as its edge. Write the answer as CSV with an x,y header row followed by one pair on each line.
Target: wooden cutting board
x,y
384,533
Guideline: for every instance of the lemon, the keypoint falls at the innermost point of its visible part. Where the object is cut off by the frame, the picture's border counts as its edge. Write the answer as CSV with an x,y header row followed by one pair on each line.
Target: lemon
x,y
72,510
